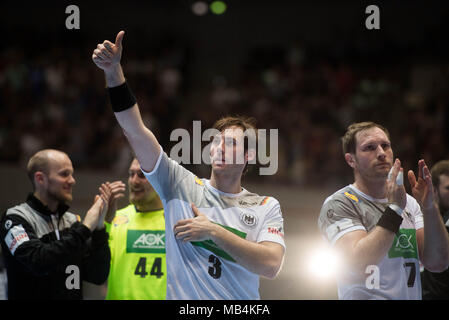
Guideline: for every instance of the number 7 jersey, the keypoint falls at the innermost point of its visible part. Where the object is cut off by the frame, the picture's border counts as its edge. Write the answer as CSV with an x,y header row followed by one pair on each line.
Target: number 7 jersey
x,y
397,274
202,270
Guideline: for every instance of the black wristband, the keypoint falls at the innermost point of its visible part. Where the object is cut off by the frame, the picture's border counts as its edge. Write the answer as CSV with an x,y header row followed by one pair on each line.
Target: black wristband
x,y
390,220
121,97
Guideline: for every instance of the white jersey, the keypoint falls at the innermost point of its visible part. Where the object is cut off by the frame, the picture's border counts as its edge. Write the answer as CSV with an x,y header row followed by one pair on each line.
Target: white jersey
x,y
348,210
202,270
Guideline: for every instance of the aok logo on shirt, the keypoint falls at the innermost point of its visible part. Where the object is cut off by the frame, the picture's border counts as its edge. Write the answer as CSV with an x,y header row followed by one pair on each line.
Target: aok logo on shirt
x,y
404,245
145,241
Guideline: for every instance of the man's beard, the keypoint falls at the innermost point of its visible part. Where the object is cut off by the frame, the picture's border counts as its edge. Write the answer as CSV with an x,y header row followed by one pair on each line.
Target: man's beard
x,y
371,172
142,201
59,198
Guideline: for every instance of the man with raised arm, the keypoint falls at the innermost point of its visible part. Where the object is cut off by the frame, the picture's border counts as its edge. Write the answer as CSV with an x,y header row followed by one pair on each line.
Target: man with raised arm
x,y
219,237
380,231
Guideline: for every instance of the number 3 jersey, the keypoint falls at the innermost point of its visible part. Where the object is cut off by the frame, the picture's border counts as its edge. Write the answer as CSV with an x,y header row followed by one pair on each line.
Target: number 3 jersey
x,y
202,270
138,267
397,275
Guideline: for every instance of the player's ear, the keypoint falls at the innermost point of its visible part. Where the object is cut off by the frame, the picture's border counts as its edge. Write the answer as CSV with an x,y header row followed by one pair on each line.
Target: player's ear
x,y
39,178
350,159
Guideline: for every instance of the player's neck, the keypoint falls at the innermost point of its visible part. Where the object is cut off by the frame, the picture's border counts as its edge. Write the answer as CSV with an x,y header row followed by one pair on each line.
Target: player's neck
x,y
375,189
52,205
226,183
153,205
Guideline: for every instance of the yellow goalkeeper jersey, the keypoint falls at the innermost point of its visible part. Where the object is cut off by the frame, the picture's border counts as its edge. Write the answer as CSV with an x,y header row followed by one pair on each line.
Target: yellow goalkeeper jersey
x,y
138,267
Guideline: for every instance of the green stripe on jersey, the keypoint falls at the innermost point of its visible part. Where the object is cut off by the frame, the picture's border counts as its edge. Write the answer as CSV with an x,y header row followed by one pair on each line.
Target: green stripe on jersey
x,y
212,246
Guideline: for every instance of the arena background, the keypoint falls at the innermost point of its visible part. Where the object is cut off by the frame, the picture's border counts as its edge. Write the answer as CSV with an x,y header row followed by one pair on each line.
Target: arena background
x,y
306,68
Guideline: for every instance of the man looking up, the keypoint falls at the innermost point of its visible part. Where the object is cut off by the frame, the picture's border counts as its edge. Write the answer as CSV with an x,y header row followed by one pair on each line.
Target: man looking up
x,y
219,236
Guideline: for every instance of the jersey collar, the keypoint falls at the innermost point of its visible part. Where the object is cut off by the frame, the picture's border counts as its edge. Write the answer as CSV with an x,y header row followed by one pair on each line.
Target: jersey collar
x,y
42,209
353,187
231,195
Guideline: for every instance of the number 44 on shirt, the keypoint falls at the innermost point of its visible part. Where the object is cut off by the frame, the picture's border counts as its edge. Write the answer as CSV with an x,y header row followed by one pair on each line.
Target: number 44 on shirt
x,y
156,268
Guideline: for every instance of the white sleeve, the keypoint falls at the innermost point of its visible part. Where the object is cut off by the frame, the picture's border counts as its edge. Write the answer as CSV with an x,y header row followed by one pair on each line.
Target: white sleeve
x,y
337,218
166,175
273,227
415,210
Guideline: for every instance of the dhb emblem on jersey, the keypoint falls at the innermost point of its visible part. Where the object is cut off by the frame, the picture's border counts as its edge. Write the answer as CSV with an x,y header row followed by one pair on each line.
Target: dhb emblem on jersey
x,y
248,219
351,196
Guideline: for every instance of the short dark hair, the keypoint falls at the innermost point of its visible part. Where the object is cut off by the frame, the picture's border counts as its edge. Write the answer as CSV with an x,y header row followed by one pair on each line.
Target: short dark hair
x,y
349,141
242,122
245,123
439,168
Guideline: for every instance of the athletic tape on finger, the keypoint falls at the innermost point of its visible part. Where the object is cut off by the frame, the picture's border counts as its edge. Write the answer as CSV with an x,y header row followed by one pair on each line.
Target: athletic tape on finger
x,y
399,178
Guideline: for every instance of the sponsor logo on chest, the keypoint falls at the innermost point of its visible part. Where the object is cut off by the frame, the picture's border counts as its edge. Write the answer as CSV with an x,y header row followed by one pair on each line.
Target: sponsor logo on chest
x,y
404,244
145,241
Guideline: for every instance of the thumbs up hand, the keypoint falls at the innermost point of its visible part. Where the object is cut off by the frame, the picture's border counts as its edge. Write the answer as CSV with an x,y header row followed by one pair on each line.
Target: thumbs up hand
x,y
107,55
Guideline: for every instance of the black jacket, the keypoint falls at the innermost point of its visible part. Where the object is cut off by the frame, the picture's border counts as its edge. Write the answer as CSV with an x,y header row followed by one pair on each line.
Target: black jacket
x,y
39,266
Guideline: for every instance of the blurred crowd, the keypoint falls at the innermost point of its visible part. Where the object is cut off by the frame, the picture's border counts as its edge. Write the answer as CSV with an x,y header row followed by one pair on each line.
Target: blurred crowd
x,y
56,98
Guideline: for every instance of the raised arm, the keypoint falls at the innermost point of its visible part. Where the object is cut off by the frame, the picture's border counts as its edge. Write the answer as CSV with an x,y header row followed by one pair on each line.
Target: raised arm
x,y
433,240
107,57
